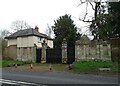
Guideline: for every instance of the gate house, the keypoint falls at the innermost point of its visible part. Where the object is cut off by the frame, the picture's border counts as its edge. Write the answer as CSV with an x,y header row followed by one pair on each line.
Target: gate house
x,y
24,43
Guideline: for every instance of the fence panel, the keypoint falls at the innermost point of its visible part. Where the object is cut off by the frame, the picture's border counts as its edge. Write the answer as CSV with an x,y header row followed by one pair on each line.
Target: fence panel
x,y
53,55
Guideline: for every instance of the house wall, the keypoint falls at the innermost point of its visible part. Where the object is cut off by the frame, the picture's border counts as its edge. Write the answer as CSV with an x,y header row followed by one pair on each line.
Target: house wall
x,y
37,41
50,43
29,41
25,41
25,49
26,54
12,42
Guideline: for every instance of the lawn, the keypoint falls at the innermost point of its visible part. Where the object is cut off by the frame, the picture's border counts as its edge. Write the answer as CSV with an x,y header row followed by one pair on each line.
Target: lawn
x,y
7,63
93,66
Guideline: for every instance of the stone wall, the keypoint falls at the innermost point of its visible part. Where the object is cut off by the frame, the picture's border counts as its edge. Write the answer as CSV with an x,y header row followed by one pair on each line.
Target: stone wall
x,y
44,47
64,53
26,54
29,53
115,49
92,50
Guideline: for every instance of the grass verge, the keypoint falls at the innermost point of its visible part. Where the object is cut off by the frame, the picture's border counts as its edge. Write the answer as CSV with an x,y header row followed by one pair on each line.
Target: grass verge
x,y
93,66
9,63
78,67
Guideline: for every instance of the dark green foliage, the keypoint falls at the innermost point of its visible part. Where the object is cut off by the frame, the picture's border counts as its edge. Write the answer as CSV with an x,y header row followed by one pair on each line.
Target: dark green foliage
x,y
107,26
114,12
65,28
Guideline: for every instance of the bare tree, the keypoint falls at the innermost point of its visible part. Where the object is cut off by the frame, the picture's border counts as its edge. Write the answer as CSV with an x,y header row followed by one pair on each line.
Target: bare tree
x,y
19,25
4,33
3,42
49,30
98,6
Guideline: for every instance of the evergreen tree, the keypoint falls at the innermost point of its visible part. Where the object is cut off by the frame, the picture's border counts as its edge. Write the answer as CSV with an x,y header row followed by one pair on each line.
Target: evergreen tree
x,y
64,28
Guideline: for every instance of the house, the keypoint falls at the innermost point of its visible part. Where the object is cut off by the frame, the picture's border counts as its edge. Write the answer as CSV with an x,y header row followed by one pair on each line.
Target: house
x,y
22,44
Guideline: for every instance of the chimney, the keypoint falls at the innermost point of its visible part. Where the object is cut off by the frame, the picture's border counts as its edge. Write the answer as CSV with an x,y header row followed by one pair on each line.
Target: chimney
x,y
36,28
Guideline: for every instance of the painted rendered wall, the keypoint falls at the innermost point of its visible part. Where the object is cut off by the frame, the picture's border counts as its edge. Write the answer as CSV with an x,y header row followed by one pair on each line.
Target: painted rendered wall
x,y
29,41
25,41
12,42
37,42
50,43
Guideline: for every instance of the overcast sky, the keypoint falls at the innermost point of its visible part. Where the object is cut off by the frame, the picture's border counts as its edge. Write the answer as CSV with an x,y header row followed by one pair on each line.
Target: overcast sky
x,y
40,12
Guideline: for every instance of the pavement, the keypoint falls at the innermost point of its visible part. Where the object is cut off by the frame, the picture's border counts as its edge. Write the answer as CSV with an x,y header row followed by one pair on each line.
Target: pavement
x,y
54,77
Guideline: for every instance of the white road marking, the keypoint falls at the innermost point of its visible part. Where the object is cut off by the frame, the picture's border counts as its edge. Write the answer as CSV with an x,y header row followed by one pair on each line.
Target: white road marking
x,y
15,82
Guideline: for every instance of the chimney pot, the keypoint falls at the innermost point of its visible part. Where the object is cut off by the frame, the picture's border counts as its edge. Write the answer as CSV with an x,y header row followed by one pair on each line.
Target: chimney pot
x,y
36,28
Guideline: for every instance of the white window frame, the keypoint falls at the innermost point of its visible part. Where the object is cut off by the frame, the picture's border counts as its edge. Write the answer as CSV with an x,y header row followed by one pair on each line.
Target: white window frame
x,y
39,39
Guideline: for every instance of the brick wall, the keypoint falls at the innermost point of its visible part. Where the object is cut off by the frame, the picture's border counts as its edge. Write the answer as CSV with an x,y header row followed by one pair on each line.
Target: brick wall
x,y
10,52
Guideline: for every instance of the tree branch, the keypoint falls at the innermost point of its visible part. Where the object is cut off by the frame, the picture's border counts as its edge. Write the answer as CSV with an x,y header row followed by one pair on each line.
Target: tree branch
x,y
80,3
85,20
91,5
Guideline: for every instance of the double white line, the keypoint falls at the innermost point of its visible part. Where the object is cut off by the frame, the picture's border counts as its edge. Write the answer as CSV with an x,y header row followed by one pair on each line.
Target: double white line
x,y
3,81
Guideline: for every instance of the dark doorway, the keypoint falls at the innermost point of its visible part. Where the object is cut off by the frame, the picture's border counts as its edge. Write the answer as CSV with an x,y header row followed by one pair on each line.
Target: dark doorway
x,y
38,55
70,54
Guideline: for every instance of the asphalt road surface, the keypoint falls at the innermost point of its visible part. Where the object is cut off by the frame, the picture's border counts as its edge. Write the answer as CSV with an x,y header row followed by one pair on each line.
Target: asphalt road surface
x,y
49,77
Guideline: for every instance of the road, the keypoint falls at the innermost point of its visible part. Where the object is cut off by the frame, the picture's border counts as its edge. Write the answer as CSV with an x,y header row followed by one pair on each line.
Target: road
x,y
49,77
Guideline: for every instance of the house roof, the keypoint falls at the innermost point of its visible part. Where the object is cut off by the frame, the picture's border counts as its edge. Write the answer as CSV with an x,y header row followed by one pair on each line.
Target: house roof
x,y
27,32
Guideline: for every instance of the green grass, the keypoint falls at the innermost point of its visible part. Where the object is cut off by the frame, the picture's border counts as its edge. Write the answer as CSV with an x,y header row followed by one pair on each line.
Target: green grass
x,y
93,66
6,63
78,67
0,63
